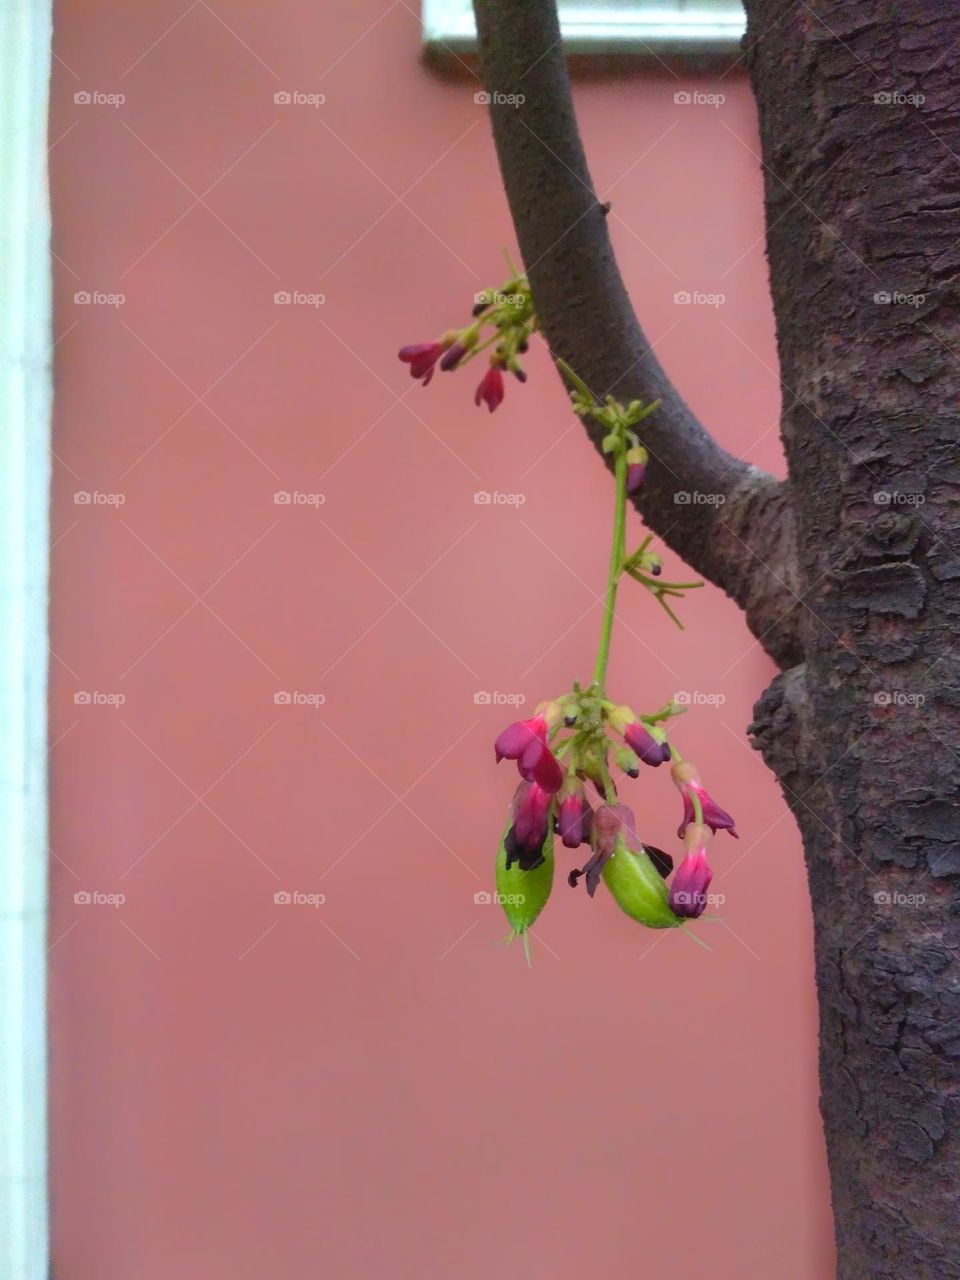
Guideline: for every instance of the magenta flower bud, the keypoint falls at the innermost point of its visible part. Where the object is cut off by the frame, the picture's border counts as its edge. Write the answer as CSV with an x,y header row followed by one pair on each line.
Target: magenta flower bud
x,y
574,821
642,741
688,890
526,742
490,390
422,357
525,840
516,737
714,817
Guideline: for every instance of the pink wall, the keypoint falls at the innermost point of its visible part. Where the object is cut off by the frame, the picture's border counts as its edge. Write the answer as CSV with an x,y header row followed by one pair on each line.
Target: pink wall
x,y
373,1087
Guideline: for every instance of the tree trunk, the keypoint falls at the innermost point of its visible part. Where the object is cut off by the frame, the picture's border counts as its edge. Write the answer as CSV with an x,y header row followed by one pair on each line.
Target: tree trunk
x,y
850,575
862,197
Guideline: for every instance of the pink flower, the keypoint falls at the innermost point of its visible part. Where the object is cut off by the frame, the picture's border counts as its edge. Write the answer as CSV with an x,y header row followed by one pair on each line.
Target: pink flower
x,y
422,357
688,890
526,742
525,840
574,819
490,390
714,817
687,781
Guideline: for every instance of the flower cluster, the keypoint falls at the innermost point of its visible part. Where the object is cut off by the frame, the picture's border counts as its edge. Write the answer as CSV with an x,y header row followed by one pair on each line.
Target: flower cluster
x,y
567,752
564,751
503,320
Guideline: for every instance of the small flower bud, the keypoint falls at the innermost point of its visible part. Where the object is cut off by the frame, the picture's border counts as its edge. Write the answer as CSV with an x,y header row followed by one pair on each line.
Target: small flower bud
x,y
647,745
628,761
691,880
636,468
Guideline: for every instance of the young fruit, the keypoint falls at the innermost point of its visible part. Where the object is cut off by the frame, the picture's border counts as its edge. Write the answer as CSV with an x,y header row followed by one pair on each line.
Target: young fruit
x,y
524,894
638,888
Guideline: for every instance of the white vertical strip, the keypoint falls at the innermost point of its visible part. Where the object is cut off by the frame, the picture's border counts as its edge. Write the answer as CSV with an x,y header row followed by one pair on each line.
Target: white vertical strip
x,y
25,395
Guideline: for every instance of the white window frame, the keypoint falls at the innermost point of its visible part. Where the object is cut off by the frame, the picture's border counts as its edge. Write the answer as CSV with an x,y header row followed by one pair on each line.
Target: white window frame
x,y
25,398
695,29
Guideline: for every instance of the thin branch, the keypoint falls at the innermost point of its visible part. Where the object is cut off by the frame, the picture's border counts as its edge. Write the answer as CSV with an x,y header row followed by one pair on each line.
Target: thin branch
x,y
743,539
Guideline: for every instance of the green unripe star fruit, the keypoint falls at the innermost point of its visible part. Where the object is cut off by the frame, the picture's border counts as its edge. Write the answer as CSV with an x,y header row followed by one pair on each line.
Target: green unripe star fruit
x,y
638,888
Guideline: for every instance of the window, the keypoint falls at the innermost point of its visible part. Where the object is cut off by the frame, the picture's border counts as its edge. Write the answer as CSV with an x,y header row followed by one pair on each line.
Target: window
x,y
24,468
705,28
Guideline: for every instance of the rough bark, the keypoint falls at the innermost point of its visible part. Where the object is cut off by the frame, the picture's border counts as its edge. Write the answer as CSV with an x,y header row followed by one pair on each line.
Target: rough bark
x,y
862,198
743,543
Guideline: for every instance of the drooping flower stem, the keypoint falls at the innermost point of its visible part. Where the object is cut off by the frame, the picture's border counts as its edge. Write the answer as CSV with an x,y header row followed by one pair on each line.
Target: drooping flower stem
x,y
616,568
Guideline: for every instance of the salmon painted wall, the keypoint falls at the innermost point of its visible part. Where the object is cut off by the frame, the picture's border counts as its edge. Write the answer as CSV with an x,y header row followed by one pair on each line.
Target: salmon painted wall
x,y
370,1085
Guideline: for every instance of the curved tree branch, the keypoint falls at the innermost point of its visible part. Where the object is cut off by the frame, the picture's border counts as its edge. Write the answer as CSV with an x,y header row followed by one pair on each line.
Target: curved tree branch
x,y
744,542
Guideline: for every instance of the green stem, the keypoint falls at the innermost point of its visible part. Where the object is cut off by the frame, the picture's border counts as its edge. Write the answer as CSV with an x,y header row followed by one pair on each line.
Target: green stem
x,y
616,566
